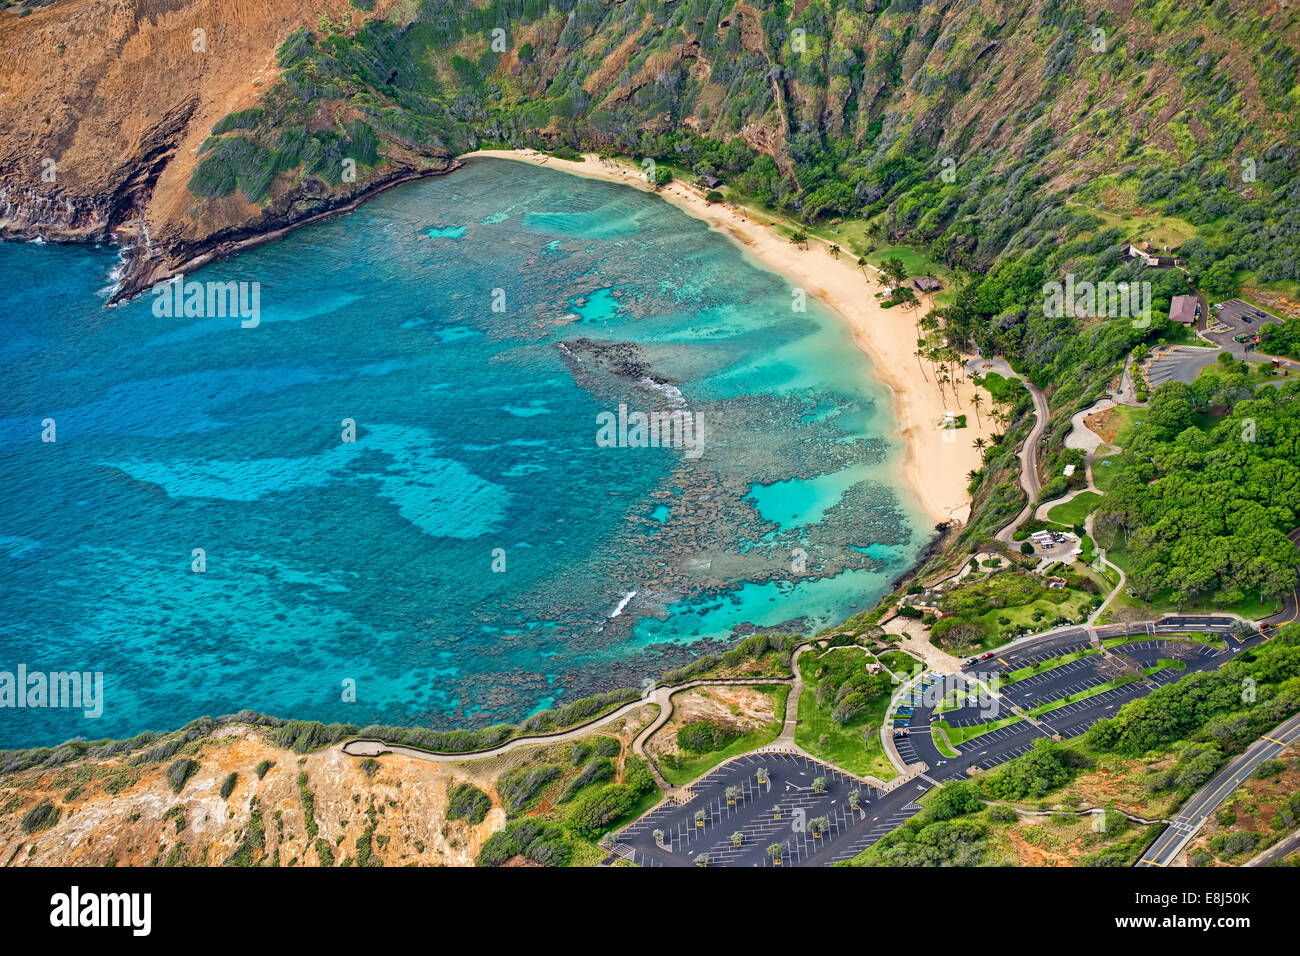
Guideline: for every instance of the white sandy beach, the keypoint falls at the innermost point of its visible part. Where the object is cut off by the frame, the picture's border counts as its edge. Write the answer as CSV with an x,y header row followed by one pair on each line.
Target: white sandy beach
x,y
936,468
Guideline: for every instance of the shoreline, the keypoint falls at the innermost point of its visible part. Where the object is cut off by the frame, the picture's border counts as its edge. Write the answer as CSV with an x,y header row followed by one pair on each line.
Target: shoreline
x,y
934,468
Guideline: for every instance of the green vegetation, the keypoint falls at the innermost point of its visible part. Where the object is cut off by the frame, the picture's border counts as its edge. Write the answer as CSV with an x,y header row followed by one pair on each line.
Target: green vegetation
x,y
563,836
468,802
1075,510
252,841
985,611
596,770
1199,517
228,786
180,771
937,836
523,787
959,735
679,769
1281,339
703,736
842,709
40,817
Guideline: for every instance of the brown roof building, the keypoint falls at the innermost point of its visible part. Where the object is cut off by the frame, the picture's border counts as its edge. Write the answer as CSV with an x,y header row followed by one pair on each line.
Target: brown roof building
x,y
1184,309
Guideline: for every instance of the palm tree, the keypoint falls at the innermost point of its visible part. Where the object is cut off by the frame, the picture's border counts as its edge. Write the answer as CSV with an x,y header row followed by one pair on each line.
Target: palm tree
x,y
894,271
659,837
834,250
799,238
819,785
920,350
762,776
702,860
737,838
977,401
775,851
973,475
699,818
855,795
733,794
862,264
980,443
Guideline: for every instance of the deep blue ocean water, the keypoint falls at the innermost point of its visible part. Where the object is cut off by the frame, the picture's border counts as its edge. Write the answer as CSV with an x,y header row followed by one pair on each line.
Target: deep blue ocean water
x,y
462,561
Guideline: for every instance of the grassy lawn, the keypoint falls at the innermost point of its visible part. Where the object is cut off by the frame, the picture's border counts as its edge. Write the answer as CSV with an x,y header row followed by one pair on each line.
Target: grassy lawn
x,y
959,735
1022,616
1257,373
691,766
1075,510
854,745
902,664
1116,205
937,737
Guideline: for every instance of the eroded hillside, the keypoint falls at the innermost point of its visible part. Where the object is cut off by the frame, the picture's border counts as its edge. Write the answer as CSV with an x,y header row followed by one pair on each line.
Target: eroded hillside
x,y
824,107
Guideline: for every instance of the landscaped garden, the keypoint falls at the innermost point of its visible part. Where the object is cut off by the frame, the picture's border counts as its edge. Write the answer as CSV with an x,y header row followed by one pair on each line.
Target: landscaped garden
x,y
841,711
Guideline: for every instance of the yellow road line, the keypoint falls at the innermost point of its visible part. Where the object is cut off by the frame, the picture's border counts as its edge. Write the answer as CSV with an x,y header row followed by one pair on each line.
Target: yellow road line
x,y
1004,662
1153,863
1280,743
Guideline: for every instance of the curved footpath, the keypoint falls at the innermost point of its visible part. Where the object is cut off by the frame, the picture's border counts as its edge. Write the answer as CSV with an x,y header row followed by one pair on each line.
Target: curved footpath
x,y
1029,450
660,696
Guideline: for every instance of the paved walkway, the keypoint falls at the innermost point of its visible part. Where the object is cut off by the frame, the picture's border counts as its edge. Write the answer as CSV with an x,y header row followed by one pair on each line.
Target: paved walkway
x,y
1029,450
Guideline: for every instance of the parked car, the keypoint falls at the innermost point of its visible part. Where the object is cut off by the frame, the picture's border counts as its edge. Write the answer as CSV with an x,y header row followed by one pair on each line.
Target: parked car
x,y
1247,319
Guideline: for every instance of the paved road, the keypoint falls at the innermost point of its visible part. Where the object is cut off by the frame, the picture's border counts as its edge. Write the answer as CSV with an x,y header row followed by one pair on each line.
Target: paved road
x,y
1290,612
1206,800
1277,851
1029,450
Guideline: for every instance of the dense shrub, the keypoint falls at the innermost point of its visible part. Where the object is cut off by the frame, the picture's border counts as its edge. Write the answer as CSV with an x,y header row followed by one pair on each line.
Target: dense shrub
x,y
180,771
536,840
40,817
520,787
703,736
468,802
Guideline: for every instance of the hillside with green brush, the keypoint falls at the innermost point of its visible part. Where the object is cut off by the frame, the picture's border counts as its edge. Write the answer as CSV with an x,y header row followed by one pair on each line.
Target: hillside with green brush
x,y
1004,145
972,130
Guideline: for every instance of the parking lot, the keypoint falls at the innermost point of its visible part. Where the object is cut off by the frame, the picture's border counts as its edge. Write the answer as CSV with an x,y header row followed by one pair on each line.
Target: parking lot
x,y
1238,318
781,812
1034,652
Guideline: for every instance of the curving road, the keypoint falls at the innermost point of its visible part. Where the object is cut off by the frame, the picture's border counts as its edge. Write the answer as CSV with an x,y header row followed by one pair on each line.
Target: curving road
x,y
1029,450
1208,799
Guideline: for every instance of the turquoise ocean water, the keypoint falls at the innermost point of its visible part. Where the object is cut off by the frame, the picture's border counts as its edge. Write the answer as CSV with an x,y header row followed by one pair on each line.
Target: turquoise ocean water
x,y
474,554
